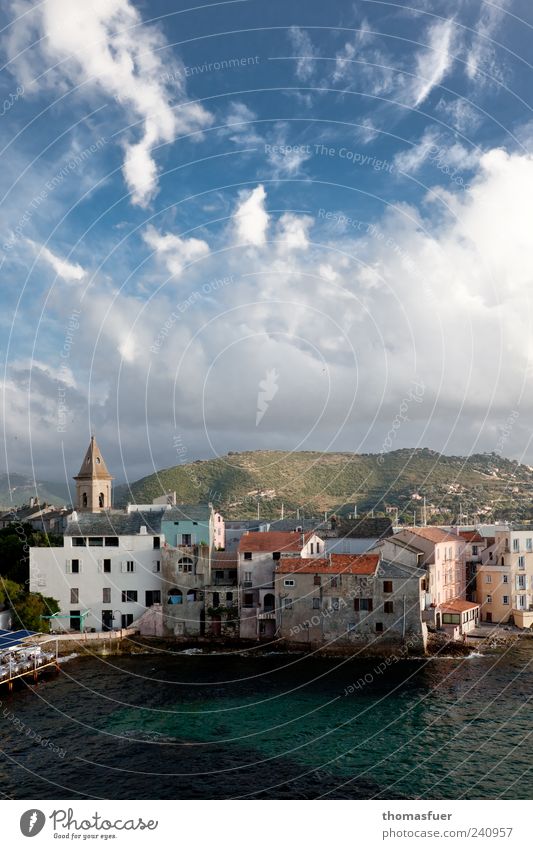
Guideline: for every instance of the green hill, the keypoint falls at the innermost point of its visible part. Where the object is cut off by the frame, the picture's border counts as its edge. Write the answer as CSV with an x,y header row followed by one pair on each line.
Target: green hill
x,y
485,484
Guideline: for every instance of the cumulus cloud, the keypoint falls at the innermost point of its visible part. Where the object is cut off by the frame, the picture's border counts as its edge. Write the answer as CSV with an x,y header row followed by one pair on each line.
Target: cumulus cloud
x,y
68,271
251,218
175,252
103,45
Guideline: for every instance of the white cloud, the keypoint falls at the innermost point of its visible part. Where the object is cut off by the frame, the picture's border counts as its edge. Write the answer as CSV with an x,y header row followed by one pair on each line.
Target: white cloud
x,y
433,62
175,252
293,231
463,116
482,63
104,46
303,47
68,271
251,218
434,147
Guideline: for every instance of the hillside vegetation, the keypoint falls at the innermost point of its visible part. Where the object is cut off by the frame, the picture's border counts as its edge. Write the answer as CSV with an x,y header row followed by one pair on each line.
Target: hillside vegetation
x,y
487,485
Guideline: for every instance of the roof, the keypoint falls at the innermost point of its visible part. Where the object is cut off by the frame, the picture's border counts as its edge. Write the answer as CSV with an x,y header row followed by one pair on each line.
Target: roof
x,y
472,536
188,513
457,606
93,465
306,524
387,569
9,639
433,534
400,543
284,541
113,523
366,527
224,560
352,564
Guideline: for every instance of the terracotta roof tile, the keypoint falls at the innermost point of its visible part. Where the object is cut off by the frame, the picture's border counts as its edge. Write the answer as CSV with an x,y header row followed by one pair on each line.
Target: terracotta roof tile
x,y
457,606
265,541
471,536
336,564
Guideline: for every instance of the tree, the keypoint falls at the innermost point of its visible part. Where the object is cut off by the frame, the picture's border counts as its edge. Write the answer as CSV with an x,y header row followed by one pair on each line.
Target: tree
x,y
28,608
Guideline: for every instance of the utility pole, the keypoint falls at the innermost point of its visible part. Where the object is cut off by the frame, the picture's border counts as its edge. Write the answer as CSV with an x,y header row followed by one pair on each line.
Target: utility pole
x,y
425,513
282,511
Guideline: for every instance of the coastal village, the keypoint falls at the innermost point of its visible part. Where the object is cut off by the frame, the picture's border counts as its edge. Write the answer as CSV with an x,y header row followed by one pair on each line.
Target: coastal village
x,y
340,583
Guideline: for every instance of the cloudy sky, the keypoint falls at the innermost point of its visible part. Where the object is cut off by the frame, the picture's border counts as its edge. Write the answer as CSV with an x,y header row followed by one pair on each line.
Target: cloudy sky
x,y
285,225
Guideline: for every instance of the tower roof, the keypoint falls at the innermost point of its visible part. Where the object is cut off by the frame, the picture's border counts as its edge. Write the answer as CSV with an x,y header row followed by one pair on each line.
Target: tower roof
x,y
93,465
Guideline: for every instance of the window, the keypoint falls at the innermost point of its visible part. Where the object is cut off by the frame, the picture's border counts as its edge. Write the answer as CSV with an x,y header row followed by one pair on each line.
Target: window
x,y
522,562
334,603
316,604
107,565
174,596
516,544
474,550
84,500
129,596
127,619
77,541
185,564
106,595
488,579
96,541
248,600
388,607
74,566
318,548
111,542
128,566
74,596
219,575
529,544
521,582
157,542
287,603
152,597
451,619
288,582
247,576
317,581
363,604
247,555
157,566
505,579
387,586
489,599
276,555
216,599
185,539
312,548
505,599
101,500
229,596
334,581
379,627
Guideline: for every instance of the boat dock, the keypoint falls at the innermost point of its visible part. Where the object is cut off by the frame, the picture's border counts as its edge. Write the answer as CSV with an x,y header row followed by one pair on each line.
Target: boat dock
x,y
21,655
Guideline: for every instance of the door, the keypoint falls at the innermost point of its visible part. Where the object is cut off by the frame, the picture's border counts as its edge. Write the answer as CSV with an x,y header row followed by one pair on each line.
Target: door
x,y
216,625
107,620
488,617
74,620
127,619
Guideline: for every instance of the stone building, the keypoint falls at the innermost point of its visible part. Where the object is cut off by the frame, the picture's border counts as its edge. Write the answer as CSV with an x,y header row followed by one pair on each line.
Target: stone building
x,y
351,601
93,482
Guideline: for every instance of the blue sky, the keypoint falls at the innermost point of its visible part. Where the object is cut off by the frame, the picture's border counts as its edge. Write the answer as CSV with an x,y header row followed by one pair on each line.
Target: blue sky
x,y
285,225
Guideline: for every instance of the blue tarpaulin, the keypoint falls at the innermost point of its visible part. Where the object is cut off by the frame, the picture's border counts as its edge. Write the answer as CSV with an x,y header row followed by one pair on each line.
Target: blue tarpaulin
x,y
9,639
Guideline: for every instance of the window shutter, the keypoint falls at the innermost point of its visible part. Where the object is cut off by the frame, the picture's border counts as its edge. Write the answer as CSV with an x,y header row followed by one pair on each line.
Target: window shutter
x,y
68,566
370,605
123,566
100,565
356,604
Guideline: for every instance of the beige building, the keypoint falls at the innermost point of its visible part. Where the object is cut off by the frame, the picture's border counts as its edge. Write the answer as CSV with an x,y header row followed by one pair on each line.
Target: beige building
x,y
505,579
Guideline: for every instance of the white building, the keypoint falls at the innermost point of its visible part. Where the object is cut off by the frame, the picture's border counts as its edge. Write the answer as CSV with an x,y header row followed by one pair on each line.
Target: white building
x,y
106,573
108,570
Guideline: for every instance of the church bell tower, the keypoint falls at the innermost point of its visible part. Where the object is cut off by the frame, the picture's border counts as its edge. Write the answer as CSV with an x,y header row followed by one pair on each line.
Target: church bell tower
x,y
93,482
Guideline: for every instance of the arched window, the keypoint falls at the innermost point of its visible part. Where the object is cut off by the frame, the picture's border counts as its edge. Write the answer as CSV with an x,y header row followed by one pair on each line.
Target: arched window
x,y
269,603
185,564
191,595
101,500
175,596
84,499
